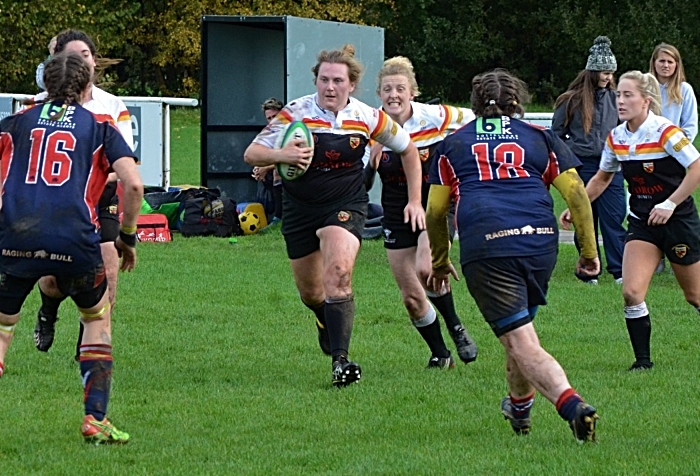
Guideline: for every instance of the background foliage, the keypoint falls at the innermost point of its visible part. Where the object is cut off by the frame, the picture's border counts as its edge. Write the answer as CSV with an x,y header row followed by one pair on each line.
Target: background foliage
x,y
449,42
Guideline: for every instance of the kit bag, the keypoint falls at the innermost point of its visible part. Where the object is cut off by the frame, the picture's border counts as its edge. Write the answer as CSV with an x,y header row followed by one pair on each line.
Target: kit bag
x,y
205,213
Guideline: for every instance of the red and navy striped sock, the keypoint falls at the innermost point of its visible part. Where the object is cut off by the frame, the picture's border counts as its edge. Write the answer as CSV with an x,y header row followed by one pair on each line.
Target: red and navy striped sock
x,y
566,404
96,371
522,406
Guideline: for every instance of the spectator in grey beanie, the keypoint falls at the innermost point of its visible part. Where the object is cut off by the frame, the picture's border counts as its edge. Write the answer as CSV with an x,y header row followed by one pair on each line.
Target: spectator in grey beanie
x,y
584,116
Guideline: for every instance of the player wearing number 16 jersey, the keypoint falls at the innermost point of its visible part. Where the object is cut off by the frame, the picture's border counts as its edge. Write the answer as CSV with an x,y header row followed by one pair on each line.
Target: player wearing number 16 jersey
x,y
499,169
54,160
44,174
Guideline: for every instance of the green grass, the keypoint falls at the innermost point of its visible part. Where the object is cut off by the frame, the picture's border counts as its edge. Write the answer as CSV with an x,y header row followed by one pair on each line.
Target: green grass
x,y
217,371
185,146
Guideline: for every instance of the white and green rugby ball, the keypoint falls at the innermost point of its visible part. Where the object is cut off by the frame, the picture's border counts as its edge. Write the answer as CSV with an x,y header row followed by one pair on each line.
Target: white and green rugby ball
x,y
295,130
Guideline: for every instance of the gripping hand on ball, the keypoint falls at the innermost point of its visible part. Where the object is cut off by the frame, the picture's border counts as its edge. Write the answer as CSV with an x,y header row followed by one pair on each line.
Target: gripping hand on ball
x,y
295,153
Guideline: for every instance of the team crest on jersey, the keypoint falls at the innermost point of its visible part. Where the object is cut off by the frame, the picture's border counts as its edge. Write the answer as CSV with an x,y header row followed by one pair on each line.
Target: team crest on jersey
x,y
424,154
394,129
681,250
648,167
332,155
354,142
343,216
422,122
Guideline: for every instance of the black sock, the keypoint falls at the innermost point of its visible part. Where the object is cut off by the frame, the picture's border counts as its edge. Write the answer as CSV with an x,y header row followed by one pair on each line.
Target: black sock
x,y
319,311
49,305
429,328
340,314
445,305
640,335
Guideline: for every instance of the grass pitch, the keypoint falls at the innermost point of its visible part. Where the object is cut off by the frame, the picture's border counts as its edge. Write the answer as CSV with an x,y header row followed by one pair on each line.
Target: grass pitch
x,y
217,371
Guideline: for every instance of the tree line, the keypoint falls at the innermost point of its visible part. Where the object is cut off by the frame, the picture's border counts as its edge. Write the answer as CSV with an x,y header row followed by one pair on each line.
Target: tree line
x,y
544,43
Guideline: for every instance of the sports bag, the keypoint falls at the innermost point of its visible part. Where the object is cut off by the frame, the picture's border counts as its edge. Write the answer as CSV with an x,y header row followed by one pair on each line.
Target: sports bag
x,y
153,227
205,213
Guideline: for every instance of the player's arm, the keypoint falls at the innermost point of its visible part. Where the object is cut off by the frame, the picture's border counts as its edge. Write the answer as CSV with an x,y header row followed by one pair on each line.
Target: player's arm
x,y
596,186
436,222
294,153
439,237
128,173
370,171
413,213
572,190
571,187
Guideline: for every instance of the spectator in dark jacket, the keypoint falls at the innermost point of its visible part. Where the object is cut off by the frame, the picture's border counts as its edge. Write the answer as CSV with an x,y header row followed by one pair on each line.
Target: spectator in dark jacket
x,y
584,116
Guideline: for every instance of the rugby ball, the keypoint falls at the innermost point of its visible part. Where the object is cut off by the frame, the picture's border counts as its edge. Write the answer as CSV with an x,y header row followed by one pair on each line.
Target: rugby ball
x,y
295,130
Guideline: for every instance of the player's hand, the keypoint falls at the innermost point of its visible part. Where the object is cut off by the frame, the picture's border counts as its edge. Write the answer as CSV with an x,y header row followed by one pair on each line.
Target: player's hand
x,y
414,214
127,255
259,173
661,213
565,219
296,153
439,278
589,268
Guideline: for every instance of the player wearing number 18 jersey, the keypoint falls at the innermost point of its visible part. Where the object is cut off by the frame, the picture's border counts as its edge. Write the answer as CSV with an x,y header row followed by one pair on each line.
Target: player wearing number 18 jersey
x,y
501,178
499,169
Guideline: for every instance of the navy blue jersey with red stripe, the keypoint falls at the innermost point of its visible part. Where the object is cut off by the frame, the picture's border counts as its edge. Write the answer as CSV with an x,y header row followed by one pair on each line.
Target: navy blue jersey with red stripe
x,y
499,170
53,173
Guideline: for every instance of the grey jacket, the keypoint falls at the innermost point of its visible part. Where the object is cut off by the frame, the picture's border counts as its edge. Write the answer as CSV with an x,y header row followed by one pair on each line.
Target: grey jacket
x,y
604,120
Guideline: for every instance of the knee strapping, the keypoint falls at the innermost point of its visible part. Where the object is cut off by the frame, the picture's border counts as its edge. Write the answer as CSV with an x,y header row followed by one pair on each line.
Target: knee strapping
x,y
636,311
9,330
95,315
340,300
426,320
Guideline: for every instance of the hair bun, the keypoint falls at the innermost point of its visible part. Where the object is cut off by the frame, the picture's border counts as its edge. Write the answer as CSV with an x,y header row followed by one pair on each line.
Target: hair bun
x,y
349,50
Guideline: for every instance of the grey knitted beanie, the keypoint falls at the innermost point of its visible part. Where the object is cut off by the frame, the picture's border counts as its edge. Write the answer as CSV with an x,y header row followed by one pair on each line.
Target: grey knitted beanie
x,y
601,57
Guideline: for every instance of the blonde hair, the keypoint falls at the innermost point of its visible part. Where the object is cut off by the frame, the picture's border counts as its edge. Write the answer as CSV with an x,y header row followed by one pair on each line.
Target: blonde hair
x,y
402,66
345,56
648,87
674,84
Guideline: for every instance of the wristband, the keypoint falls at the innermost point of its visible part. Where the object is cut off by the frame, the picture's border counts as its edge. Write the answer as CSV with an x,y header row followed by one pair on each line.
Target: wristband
x,y
129,230
129,239
666,205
